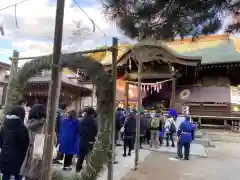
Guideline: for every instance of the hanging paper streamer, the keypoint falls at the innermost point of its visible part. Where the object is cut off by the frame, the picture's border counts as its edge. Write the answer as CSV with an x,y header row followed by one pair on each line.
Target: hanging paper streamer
x,y
150,86
130,64
160,86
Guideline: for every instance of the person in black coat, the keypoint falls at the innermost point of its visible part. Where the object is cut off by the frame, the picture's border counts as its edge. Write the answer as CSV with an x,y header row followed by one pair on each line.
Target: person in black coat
x,y
144,125
14,143
88,131
119,123
129,133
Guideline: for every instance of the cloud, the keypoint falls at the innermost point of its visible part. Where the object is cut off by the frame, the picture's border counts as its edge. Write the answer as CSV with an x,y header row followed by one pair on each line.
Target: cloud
x,y
32,31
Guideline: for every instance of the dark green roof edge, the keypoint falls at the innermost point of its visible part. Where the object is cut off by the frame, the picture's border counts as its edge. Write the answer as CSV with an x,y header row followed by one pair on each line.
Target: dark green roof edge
x,y
221,54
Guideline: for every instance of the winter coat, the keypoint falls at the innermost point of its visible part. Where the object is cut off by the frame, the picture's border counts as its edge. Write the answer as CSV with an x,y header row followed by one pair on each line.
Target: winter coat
x,y
69,136
160,125
130,126
119,120
186,132
31,167
168,123
144,124
88,131
14,144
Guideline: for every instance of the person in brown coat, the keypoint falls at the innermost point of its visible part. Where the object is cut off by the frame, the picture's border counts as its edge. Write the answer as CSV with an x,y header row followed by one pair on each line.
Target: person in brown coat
x,y
31,167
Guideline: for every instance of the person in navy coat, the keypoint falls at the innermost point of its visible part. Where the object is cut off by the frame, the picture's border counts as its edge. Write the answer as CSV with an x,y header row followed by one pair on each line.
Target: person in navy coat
x,y
185,135
69,139
88,132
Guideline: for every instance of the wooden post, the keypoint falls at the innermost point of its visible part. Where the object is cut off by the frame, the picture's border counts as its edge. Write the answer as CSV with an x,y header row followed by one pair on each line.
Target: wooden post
x,y
199,122
15,61
80,102
173,99
137,142
13,71
76,103
54,93
126,95
93,94
4,93
112,134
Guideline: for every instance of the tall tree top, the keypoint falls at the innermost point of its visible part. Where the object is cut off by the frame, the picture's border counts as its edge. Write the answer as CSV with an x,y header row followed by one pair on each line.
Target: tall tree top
x,y
166,19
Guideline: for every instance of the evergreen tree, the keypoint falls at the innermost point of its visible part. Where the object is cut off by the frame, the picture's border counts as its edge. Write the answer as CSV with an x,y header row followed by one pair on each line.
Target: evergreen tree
x,y
166,19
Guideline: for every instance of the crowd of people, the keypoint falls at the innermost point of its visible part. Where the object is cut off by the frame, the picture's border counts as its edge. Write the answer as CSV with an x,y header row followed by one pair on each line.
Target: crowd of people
x,y
75,136
153,129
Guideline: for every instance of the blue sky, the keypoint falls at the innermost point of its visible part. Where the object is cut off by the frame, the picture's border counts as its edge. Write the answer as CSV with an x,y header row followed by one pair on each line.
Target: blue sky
x,y
5,44
31,40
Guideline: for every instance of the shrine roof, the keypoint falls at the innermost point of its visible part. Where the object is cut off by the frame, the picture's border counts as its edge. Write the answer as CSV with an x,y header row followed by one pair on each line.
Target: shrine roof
x,y
69,82
5,65
214,49
150,52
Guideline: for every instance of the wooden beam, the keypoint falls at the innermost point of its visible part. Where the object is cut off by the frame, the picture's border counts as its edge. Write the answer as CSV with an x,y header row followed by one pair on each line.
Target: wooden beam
x,y
148,75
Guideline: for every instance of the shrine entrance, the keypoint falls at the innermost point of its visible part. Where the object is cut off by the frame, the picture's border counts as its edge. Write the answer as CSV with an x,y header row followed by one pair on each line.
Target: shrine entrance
x,y
161,69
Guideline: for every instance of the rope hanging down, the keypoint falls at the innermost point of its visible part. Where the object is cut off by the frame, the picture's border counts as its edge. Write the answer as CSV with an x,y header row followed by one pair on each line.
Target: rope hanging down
x,y
15,13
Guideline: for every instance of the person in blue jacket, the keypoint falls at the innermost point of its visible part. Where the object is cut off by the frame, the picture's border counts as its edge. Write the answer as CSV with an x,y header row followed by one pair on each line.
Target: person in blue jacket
x,y
69,139
185,135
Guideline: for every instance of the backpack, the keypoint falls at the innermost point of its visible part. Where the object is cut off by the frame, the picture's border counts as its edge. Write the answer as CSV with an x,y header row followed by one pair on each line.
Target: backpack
x,y
155,123
172,128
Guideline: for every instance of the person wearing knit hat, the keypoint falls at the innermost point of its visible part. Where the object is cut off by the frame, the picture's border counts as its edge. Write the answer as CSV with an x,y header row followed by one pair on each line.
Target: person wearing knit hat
x,y
14,142
172,113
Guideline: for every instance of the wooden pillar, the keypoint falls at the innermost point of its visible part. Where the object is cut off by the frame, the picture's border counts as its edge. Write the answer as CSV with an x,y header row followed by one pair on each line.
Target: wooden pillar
x,y
199,122
53,94
126,95
4,93
80,102
93,95
225,123
13,71
112,132
76,103
173,98
15,61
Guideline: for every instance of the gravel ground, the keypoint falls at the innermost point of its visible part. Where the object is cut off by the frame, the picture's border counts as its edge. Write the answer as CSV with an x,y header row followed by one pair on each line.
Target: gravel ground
x,y
223,163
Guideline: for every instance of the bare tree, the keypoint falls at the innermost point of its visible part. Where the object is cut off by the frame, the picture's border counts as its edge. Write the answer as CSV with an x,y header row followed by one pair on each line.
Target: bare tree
x,y
81,32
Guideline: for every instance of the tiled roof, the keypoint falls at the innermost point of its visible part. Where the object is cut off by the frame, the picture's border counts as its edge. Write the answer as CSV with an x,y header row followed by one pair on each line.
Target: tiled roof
x,y
222,50
46,79
212,49
5,65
